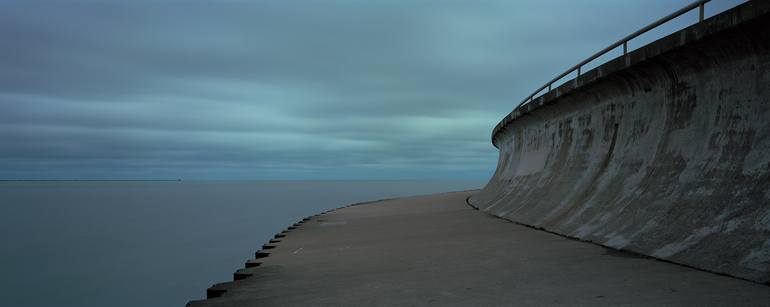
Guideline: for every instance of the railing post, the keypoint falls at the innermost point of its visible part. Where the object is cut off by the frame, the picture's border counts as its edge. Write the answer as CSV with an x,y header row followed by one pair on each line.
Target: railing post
x,y
701,8
626,59
578,76
549,87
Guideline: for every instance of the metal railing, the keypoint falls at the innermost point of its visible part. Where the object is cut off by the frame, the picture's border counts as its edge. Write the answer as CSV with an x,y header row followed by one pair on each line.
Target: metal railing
x,y
624,41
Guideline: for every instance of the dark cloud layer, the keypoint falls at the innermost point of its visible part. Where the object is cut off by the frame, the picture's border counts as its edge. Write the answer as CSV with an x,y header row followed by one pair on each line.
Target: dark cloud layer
x,y
282,89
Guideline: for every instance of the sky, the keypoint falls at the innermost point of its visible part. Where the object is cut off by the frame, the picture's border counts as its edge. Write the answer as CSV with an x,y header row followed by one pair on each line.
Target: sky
x,y
337,90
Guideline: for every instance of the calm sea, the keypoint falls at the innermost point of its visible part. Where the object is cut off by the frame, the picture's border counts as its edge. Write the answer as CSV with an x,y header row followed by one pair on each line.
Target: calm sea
x,y
157,243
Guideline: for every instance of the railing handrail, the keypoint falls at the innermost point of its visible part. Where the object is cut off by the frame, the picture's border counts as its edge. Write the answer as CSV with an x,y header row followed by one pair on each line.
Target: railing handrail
x,y
624,42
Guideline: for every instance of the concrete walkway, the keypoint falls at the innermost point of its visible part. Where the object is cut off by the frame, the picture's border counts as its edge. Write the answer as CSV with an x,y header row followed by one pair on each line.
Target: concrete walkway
x,y
436,250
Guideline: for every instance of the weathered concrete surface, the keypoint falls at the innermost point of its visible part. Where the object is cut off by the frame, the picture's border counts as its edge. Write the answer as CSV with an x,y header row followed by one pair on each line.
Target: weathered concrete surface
x,y
668,156
435,250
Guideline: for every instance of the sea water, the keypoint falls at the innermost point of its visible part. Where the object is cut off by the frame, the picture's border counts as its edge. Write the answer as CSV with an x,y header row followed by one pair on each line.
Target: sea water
x,y
154,243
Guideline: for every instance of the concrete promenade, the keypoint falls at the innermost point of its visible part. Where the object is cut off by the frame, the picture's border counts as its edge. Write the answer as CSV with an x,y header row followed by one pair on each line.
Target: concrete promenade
x,y
436,250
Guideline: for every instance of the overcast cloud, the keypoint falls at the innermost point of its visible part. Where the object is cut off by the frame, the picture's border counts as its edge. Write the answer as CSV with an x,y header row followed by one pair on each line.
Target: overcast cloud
x,y
283,89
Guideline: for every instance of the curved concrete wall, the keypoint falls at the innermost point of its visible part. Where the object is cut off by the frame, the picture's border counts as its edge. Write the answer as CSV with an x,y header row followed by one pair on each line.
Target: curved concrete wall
x,y
665,153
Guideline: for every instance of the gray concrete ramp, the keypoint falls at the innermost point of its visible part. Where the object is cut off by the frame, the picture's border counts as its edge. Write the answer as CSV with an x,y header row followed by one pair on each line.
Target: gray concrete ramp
x,y
436,250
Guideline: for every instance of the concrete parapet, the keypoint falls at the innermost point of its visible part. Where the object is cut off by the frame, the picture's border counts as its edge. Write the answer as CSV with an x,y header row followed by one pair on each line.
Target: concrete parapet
x,y
665,154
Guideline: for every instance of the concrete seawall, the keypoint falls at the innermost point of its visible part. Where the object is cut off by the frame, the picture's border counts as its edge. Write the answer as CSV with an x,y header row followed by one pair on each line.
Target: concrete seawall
x,y
664,153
